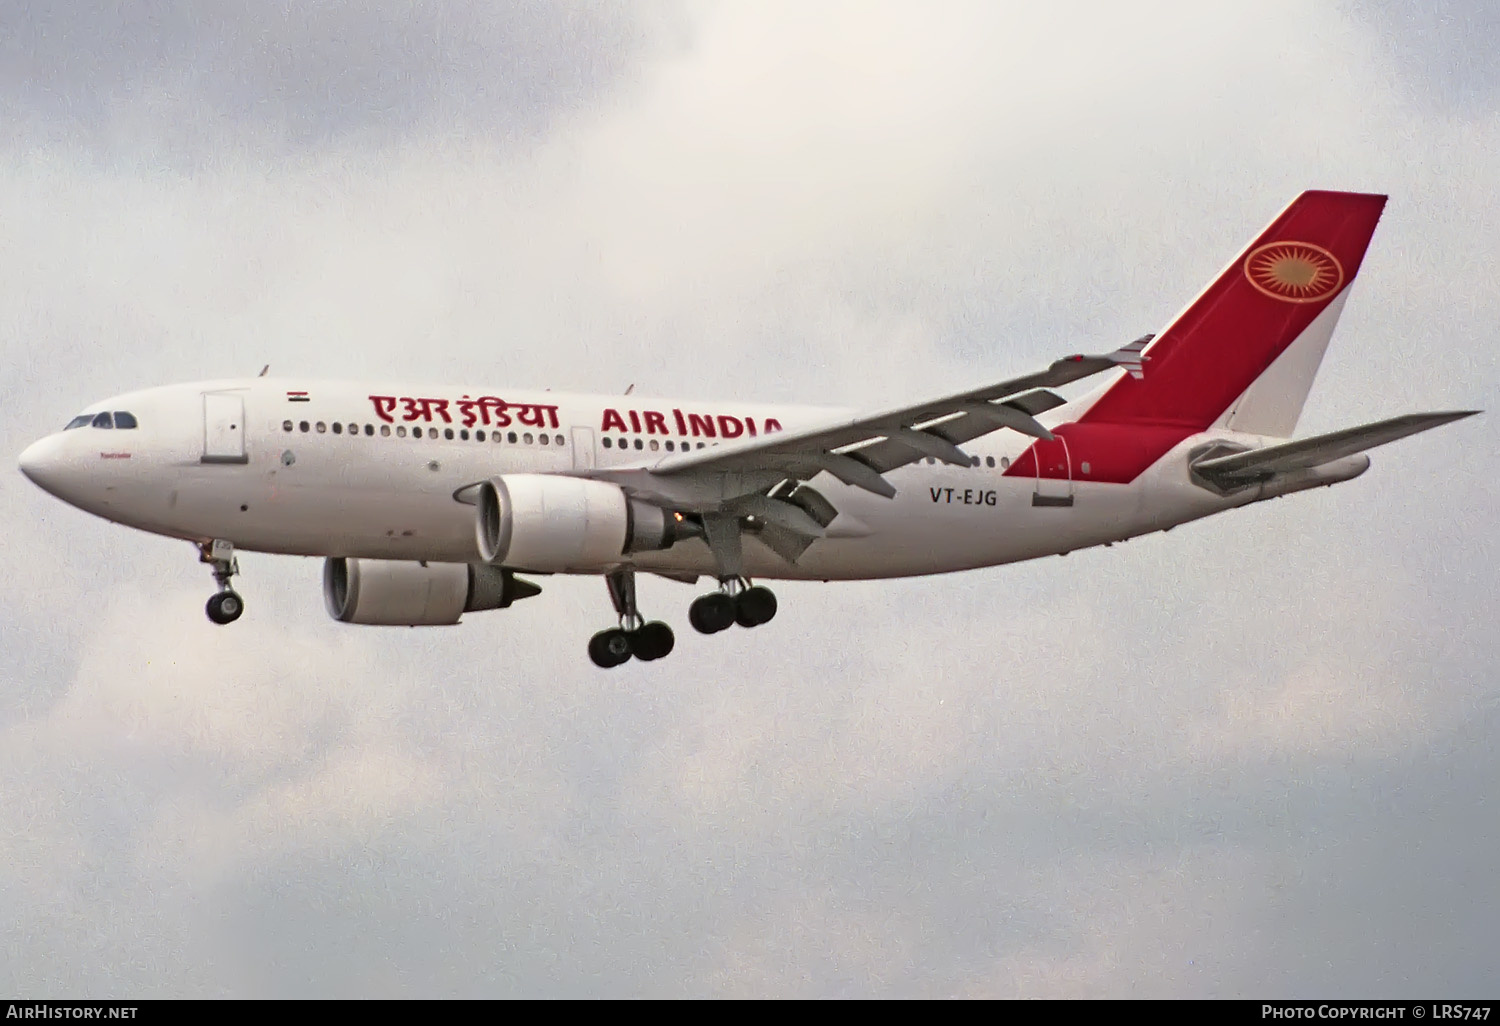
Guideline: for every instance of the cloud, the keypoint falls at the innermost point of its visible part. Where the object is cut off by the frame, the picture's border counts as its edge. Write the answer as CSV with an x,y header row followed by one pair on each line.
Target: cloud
x,y
157,79
1438,51
1240,758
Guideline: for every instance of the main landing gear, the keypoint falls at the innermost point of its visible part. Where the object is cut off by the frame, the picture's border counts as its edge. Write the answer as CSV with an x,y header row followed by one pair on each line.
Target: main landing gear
x,y
226,606
634,637
737,602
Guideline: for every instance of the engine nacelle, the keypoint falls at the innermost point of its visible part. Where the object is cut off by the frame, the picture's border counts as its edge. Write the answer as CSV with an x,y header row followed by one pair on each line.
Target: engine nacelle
x,y
555,524
399,593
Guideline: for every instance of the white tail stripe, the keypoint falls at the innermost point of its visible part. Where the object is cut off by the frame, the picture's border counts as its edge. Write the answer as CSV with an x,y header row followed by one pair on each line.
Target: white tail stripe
x,y
1273,402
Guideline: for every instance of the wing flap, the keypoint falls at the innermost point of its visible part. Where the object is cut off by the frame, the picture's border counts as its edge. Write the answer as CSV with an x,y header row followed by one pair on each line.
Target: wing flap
x,y
893,438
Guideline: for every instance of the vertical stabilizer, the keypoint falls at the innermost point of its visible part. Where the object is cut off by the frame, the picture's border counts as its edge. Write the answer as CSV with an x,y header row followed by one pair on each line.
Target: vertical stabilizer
x,y
1244,352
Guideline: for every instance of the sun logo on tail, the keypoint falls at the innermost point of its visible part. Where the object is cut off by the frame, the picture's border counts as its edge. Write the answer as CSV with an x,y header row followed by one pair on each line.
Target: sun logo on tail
x,y
1296,272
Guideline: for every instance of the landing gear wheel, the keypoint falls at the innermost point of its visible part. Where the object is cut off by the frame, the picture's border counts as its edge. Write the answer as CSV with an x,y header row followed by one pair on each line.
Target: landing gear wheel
x,y
653,641
610,648
711,614
225,607
754,606
634,636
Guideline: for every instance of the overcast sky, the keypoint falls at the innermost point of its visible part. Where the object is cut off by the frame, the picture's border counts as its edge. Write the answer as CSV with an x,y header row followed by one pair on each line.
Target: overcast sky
x,y
1252,757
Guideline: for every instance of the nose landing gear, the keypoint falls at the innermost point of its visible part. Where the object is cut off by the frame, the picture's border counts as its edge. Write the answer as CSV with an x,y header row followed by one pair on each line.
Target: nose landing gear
x,y
226,606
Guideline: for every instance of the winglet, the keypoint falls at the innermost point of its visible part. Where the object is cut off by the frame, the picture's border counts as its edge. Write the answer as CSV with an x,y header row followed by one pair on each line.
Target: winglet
x,y
1071,368
1130,356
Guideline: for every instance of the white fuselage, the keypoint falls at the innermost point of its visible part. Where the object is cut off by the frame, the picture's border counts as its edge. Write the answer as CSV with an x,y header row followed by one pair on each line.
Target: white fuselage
x,y
232,460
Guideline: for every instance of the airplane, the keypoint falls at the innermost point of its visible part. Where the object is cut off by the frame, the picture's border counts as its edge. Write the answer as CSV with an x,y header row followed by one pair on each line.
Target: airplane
x,y
431,502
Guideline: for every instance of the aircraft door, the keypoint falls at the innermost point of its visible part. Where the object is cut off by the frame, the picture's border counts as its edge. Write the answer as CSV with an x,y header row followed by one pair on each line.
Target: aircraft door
x,y
583,448
1054,473
224,428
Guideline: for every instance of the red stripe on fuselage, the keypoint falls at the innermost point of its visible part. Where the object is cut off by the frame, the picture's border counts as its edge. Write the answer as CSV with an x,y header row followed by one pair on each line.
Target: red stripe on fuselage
x,y
1114,453
1211,353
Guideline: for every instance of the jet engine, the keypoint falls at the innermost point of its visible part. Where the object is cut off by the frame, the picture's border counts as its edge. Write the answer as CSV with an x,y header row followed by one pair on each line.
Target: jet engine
x,y
398,593
553,524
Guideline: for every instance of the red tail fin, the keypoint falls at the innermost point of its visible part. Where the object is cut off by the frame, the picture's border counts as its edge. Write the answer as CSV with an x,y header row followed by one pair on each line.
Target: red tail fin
x,y
1255,309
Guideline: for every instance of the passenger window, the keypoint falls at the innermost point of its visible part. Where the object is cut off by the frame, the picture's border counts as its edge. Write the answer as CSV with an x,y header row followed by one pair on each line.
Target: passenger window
x,y
401,431
545,439
321,427
448,434
124,421
559,439
973,461
303,427
385,431
655,446
416,432
286,425
369,430
464,434
607,443
511,438
989,461
338,428
479,436
1004,462
102,421
638,444
669,447
527,437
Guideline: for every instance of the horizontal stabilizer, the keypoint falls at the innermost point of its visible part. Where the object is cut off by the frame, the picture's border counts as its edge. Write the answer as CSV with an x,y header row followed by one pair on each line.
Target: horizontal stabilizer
x,y
1261,464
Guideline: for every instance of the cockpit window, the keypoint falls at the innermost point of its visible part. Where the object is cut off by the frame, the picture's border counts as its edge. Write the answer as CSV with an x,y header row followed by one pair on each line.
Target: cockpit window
x,y
119,419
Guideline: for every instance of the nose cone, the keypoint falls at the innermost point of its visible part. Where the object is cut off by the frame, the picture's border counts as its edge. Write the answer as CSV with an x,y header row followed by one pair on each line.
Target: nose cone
x,y
44,464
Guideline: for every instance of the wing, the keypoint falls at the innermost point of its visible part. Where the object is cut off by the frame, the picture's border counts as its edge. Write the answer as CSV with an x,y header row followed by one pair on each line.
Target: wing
x,y
1244,468
860,450
760,484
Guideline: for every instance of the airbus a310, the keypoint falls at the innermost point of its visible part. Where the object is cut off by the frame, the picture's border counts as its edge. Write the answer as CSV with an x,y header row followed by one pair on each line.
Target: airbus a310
x,y
432,502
